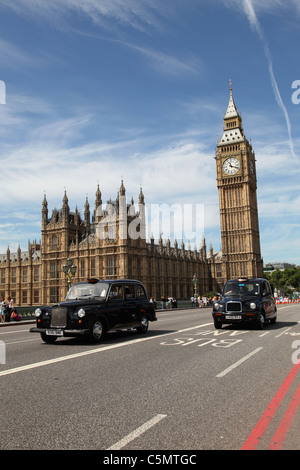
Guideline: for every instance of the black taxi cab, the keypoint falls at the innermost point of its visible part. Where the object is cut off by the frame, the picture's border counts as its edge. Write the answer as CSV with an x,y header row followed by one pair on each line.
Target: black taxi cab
x,y
245,301
94,307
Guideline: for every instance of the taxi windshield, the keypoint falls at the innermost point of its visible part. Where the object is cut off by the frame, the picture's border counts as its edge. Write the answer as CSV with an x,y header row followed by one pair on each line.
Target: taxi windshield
x,y
233,288
87,290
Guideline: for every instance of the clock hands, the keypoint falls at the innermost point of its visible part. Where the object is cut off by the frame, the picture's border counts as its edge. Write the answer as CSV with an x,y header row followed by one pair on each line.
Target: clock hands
x,y
233,166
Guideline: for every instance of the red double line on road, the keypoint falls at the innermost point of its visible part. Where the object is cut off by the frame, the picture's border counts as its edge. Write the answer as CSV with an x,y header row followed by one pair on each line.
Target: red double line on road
x,y
255,437
281,432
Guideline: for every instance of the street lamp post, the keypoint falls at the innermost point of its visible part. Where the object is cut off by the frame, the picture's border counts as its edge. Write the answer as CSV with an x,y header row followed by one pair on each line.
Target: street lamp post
x,y
195,282
69,269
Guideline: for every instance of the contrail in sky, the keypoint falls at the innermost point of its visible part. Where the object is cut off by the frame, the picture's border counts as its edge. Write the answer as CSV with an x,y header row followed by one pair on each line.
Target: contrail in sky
x,y
250,12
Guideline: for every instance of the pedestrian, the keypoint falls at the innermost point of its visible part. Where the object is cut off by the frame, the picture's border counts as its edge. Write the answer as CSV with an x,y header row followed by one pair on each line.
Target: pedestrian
x,y
10,307
192,301
15,316
153,301
2,314
5,310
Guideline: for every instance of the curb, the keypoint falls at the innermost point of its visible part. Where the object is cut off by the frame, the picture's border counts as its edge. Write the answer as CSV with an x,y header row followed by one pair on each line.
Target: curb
x,y
29,322
11,323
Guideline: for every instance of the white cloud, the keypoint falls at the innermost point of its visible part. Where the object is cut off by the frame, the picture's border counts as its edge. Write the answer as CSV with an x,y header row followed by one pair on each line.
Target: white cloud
x,y
273,7
167,64
46,166
14,57
50,162
255,24
134,13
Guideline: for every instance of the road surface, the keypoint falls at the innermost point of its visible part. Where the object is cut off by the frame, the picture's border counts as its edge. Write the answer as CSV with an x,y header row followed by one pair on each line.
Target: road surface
x,y
183,386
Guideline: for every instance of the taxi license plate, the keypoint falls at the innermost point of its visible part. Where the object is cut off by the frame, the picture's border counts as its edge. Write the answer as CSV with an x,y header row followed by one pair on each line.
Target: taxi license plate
x,y
55,332
233,317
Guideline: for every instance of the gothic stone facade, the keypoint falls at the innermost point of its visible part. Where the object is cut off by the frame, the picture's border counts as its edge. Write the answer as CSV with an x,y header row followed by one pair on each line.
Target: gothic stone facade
x,y
36,277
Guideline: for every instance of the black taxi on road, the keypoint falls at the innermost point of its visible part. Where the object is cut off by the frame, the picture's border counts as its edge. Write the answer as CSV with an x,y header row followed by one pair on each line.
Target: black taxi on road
x,y
245,301
94,307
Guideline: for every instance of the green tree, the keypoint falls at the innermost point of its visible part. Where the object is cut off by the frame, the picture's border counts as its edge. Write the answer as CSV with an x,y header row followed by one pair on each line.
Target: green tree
x,y
286,279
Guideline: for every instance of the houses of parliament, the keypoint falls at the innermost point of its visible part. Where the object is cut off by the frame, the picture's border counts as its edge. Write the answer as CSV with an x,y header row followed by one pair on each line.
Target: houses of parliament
x,y
101,249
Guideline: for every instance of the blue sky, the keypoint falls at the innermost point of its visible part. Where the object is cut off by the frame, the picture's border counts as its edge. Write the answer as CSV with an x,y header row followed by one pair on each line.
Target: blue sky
x,y
100,90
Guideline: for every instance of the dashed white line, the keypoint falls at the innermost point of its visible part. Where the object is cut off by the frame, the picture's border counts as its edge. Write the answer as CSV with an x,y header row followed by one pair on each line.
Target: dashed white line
x,y
137,432
14,331
22,341
236,364
283,332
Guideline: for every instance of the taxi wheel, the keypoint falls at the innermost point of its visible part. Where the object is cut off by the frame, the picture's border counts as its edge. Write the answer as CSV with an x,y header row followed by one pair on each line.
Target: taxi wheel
x,y
273,320
218,325
48,339
260,322
143,328
98,331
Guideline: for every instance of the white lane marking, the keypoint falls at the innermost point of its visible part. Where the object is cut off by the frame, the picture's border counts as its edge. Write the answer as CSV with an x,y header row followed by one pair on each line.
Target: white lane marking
x,y
236,364
93,351
22,341
12,332
283,332
137,432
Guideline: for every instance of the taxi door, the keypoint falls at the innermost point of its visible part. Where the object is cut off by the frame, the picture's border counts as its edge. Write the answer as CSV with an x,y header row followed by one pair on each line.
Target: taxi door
x,y
268,300
116,306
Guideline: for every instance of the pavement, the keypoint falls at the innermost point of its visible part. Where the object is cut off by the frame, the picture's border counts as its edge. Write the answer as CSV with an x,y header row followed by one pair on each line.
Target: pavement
x,y
28,322
13,322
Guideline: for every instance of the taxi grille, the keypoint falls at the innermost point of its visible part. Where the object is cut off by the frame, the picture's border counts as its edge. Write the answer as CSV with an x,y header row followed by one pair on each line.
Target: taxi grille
x,y
58,317
234,306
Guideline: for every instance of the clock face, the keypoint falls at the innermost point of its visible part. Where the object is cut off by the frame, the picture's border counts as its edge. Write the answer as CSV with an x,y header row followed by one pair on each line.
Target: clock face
x,y
231,166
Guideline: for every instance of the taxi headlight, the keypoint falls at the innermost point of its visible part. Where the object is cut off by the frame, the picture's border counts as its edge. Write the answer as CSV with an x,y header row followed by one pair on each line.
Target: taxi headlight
x,y
253,305
38,312
81,313
217,306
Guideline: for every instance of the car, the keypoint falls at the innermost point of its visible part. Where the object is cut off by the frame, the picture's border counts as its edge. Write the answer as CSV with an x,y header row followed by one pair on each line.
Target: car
x,y
94,307
245,301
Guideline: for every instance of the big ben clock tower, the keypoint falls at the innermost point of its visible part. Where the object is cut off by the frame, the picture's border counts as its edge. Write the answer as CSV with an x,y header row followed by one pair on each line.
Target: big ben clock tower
x,y
236,181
